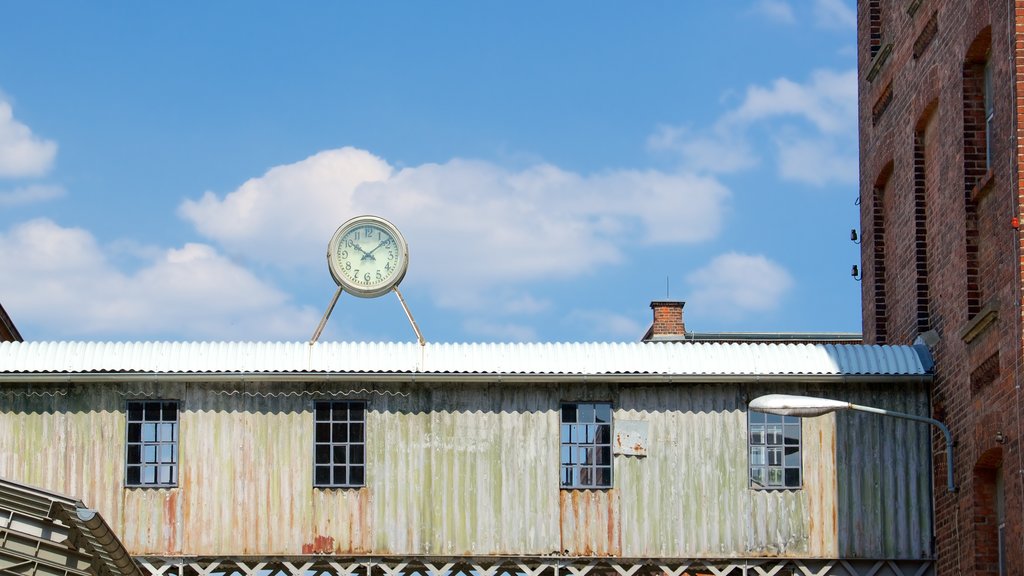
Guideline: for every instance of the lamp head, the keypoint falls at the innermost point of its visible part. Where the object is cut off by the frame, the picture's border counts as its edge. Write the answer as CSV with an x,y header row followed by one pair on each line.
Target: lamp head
x,y
787,405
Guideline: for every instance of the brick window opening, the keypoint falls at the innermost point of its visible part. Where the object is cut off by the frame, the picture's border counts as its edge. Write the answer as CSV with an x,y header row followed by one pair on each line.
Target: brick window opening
x,y
978,114
874,26
775,461
878,257
921,234
989,515
586,445
339,444
881,104
990,110
151,450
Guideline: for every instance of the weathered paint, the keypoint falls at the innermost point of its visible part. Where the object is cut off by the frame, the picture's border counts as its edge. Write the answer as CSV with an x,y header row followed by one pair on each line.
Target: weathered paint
x,y
472,469
590,522
630,438
884,506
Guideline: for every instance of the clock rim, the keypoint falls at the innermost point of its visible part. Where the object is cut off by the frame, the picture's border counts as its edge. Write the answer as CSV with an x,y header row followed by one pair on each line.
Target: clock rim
x,y
387,285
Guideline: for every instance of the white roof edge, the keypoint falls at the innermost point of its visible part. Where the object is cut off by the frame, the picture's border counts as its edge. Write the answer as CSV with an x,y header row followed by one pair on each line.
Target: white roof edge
x,y
670,359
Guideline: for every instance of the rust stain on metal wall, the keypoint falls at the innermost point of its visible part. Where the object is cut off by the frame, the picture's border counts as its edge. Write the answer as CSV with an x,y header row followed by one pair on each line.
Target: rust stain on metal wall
x,y
630,437
319,545
473,469
590,522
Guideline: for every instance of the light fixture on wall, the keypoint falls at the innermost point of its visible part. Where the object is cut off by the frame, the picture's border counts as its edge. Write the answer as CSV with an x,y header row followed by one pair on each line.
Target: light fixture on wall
x,y
853,236
809,407
855,272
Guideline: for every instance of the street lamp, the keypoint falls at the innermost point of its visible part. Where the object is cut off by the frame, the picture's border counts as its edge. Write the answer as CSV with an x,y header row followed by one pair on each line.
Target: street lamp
x,y
787,405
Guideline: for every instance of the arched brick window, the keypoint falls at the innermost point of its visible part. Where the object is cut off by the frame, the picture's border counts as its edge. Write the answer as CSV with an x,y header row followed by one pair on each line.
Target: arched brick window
x,y
922,183
988,514
878,255
977,104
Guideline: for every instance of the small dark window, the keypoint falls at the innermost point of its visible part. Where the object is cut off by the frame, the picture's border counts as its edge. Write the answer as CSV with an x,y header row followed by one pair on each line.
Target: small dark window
x,y
339,451
990,111
775,460
151,450
586,445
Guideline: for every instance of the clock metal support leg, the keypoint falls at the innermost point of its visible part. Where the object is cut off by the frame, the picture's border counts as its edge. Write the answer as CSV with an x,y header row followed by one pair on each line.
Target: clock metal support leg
x,y
327,314
416,328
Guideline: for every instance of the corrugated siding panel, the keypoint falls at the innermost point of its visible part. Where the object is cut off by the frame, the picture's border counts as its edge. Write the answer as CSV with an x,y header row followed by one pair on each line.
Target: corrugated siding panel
x,y
33,436
246,475
667,358
591,523
468,470
473,470
885,481
695,478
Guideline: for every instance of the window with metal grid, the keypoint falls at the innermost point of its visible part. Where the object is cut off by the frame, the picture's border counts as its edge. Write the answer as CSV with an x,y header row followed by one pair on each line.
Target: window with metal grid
x,y
339,449
775,460
586,445
151,452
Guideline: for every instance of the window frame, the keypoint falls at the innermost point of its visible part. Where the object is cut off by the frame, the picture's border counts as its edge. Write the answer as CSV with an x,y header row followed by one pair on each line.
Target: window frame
x,y
577,441
988,101
329,448
165,452
780,446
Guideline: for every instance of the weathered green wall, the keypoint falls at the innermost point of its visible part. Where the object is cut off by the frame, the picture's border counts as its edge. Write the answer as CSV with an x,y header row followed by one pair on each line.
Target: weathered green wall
x,y
472,469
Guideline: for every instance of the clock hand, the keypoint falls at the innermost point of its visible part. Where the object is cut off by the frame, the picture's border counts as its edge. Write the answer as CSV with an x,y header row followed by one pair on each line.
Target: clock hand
x,y
377,247
356,246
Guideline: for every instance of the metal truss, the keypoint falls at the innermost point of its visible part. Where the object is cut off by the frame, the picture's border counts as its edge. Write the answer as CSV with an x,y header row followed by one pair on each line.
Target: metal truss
x,y
525,566
47,534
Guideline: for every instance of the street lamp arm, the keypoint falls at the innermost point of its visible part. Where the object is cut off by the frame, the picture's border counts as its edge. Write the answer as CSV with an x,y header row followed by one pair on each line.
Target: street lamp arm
x,y
810,406
945,431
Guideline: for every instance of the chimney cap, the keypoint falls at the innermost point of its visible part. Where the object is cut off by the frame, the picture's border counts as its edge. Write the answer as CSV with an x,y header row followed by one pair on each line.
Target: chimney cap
x,y
668,321
667,303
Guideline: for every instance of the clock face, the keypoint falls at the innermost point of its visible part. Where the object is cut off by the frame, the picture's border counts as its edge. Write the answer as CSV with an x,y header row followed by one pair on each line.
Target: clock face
x,y
367,256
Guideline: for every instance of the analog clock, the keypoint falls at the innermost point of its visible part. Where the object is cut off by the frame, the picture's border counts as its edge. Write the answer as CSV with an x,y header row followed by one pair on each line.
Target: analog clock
x,y
367,256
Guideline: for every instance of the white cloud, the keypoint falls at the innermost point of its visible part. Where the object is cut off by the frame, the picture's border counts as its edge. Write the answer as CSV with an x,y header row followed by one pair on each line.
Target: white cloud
x,y
817,162
717,151
775,10
601,325
282,215
834,14
500,331
22,154
817,120
828,101
734,284
472,226
63,279
30,194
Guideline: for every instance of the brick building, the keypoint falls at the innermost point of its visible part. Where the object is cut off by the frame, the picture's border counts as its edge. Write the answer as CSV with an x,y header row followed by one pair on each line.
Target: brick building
x,y
8,332
940,203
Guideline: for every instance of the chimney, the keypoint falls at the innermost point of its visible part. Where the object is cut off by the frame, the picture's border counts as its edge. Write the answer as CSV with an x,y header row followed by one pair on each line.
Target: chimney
x,y
668,321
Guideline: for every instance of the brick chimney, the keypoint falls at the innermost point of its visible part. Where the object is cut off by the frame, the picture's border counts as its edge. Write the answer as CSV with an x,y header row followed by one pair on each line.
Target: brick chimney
x,y
668,321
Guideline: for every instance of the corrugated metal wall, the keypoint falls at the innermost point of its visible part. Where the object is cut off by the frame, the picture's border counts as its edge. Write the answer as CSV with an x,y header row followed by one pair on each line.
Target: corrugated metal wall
x,y
884,515
472,469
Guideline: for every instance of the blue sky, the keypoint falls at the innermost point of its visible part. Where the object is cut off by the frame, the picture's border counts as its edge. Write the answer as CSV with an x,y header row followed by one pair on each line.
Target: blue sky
x,y
175,170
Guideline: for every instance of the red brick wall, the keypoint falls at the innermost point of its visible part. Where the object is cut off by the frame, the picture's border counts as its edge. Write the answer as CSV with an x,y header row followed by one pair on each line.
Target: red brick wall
x,y
668,318
951,258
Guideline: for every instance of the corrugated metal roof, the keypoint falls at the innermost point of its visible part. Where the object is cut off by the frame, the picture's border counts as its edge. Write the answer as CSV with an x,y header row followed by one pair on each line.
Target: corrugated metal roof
x,y
540,359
